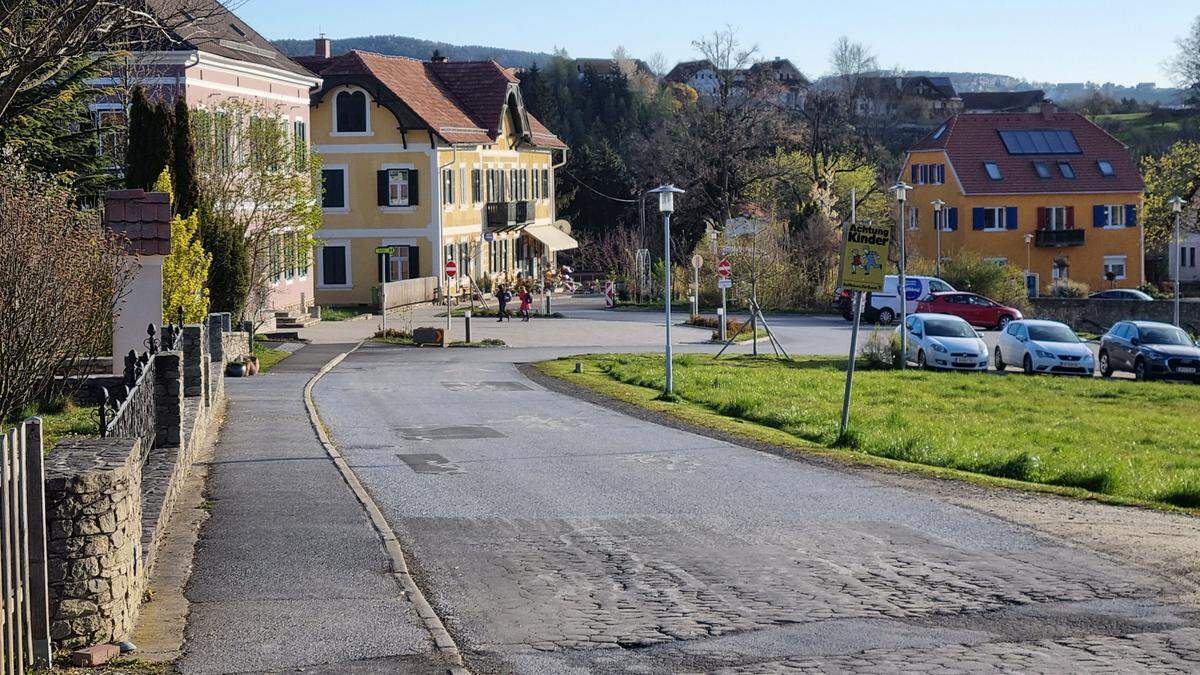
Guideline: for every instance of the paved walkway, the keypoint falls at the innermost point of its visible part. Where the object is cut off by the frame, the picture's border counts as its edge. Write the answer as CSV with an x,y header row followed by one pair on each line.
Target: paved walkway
x,y
553,535
289,572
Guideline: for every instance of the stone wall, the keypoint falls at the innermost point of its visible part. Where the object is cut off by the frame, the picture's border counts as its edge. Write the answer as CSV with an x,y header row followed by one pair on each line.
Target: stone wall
x,y
93,511
235,345
1097,316
195,357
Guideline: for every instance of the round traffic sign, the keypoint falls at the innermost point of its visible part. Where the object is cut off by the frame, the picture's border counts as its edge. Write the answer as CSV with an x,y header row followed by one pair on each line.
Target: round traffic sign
x,y
697,261
724,268
451,268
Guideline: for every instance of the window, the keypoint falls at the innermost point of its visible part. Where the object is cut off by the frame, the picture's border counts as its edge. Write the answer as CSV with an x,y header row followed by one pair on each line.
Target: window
x,y
998,262
938,134
350,111
1056,218
1040,142
397,187
1066,170
1114,215
333,188
300,142
993,171
1187,256
939,286
546,183
476,185
1042,170
448,186
1106,168
111,129
913,218
1114,264
398,264
334,265
993,218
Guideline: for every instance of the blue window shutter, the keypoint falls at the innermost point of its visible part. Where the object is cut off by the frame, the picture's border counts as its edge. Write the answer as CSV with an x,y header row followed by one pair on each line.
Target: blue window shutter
x,y
1131,215
977,218
1099,216
953,223
915,172
1011,217
941,174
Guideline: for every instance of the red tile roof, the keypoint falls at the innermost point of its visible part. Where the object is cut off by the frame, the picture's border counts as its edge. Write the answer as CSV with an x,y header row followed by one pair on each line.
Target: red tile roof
x,y
143,218
971,139
461,101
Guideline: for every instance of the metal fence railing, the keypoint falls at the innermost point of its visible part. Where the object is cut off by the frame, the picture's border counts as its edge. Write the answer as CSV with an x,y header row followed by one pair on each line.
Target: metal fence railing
x,y
24,587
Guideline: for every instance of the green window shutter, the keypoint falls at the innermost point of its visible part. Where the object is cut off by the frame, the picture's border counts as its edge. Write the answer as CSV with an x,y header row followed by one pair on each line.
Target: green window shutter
x,y
381,184
414,189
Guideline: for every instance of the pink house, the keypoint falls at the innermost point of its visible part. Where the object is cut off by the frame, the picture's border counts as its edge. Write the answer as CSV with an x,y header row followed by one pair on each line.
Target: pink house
x,y
217,56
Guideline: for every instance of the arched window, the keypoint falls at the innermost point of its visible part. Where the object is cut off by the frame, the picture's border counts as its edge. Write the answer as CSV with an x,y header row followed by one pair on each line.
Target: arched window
x,y
351,112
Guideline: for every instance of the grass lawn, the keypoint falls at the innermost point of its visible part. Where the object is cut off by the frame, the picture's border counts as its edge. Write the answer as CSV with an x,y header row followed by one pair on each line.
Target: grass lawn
x,y
62,421
343,313
746,336
267,357
1134,441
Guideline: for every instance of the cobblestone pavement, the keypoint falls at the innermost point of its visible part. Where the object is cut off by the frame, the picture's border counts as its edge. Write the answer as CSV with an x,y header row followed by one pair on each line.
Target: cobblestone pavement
x,y
552,535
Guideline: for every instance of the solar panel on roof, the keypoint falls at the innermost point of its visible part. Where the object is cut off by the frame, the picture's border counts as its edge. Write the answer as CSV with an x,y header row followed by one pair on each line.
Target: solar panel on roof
x,y
1040,142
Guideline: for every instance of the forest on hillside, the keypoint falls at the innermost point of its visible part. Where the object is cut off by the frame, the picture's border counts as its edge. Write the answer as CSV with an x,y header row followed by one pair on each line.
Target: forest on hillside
x,y
398,45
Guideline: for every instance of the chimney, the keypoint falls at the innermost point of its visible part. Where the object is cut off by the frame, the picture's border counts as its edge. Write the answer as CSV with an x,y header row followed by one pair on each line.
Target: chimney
x,y
438,57
323,47
1048,109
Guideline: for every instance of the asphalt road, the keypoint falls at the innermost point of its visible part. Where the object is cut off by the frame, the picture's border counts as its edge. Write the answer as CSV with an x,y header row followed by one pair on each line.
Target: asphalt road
x,y
555,535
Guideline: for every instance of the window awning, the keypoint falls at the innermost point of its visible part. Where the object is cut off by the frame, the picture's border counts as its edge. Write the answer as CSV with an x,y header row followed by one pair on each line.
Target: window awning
x,y
554,238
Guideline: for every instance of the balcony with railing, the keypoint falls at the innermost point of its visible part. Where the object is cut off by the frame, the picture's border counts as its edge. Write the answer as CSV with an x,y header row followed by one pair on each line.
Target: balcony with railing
x,y
1059,238
509,215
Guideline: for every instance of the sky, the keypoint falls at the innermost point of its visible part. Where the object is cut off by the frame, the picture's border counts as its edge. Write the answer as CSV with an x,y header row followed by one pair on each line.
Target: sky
x,y
1039,40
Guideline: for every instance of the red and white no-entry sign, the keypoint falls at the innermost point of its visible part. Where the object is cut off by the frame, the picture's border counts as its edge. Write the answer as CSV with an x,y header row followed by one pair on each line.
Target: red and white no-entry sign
x,y
451,268
723,268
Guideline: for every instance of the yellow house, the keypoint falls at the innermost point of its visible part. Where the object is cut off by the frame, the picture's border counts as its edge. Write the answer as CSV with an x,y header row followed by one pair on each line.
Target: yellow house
x,y
437,158
1048,192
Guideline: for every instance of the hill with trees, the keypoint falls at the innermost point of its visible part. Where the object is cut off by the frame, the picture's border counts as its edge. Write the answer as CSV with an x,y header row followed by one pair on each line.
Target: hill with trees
x,y
399,45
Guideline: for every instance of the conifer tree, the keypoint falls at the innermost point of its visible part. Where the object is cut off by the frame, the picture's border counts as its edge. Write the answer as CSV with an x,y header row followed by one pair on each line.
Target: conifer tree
x,y
187,190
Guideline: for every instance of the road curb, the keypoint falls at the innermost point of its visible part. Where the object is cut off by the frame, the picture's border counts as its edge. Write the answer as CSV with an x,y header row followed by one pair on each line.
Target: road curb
x,y
443,642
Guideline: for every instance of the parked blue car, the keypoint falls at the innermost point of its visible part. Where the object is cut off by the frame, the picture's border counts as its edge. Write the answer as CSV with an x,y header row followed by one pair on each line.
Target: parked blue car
x,y
1149,350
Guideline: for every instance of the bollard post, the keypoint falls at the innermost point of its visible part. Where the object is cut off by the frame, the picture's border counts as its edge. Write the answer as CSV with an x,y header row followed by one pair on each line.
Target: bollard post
x,y
721,322
467,317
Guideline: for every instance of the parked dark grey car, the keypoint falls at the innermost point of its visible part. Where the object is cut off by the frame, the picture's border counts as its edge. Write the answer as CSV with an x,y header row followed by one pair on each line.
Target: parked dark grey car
x,y
1149,350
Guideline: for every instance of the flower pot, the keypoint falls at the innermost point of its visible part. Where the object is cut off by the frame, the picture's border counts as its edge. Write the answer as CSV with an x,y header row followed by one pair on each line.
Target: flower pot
x,y
235,369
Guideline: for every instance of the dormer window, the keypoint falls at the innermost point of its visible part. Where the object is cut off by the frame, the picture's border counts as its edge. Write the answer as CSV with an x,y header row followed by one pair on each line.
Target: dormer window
x,y
1066,170
938,134
1042,170
351,112
1106,168
993,170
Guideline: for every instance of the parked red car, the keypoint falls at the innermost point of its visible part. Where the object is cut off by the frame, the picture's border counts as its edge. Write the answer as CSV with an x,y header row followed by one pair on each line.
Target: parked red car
x,y
974,309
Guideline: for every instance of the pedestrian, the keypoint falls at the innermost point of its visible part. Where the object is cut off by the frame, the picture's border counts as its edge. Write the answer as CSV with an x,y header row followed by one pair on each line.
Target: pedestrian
x,y
502,298
526,302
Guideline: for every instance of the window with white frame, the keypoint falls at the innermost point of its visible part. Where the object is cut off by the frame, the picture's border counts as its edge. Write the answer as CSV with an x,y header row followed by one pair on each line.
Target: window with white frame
x,y
448,186
334,187
462,185
1115,264
914,219
1056,217
398,187
350,113
111,127
994,218
1187,256
333,265
1116,215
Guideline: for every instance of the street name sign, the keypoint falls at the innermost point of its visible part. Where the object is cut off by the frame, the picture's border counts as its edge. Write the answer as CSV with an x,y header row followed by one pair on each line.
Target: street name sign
x,y
724,282
385,250
864,251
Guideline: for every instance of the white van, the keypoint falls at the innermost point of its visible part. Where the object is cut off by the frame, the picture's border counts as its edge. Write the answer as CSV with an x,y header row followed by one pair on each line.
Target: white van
x,y
884,306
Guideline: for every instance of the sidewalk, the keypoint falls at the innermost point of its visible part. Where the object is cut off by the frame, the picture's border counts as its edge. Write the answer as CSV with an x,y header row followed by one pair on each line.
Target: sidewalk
x,y
289,572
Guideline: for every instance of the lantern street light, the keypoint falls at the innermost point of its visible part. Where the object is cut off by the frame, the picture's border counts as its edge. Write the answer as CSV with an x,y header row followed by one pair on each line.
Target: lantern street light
x,y
1177,203
938,205
901,191
666,205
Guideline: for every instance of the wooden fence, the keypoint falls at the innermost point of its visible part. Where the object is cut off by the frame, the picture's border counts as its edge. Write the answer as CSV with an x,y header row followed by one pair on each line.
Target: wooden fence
x,y
411,291
24,592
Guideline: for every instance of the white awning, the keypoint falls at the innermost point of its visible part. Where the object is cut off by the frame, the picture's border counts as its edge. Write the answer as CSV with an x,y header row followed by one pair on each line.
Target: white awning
x,y
554,238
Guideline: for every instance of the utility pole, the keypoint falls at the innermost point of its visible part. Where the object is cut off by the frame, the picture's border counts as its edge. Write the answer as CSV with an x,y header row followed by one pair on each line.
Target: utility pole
x,y
901,191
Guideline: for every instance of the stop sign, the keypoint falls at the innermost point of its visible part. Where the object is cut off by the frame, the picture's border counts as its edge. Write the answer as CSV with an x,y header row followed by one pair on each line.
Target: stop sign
x,y
723,268
451,268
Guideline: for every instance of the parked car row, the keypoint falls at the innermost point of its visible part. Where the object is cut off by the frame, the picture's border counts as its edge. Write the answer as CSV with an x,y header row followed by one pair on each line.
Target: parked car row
x,y
1148,349
932,296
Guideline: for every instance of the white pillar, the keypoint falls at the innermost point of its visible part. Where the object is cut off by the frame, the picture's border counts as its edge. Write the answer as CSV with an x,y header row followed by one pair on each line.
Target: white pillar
x,y
141,307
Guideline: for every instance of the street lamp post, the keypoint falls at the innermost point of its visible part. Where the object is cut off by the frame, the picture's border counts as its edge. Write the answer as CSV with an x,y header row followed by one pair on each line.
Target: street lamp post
x,y
901,191
666,205
937,223
1177,207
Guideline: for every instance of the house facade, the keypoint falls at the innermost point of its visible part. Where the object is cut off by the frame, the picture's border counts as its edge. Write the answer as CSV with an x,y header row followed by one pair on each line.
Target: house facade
x,y
911,97
705,78
218,57
1048,192
437,158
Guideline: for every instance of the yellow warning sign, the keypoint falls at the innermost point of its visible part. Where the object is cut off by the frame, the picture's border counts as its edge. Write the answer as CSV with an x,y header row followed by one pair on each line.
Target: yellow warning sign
x,y
864,252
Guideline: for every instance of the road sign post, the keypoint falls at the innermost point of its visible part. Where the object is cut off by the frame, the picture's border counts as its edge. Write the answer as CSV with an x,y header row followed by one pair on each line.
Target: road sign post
x,y
864,248
697,263
384,252
451,271
724,269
